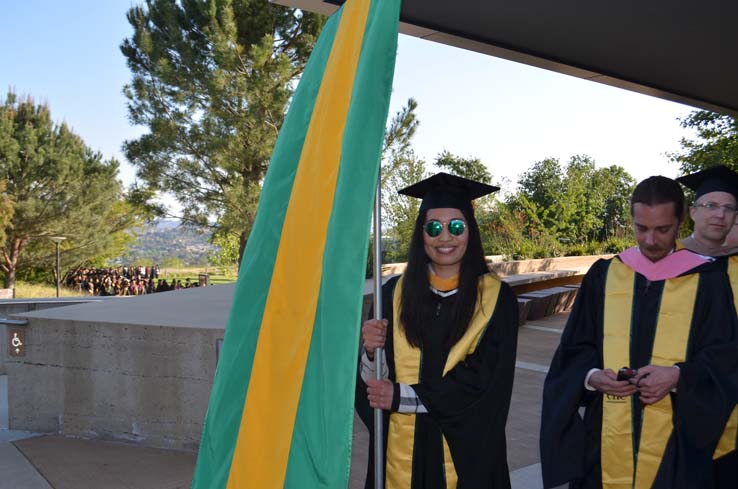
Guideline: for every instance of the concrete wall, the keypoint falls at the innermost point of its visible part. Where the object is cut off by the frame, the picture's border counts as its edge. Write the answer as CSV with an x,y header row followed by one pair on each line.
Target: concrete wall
x,y
95,378
4,341
147,384
578,264
17,306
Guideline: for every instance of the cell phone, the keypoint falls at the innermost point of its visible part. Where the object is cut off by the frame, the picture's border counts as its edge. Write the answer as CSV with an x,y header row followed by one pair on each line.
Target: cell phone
x,y
626,373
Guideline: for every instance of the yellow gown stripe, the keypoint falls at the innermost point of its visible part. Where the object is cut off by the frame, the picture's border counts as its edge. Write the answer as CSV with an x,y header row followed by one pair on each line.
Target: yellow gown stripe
x,y
401,438
265,434
670,347
620,468
616,441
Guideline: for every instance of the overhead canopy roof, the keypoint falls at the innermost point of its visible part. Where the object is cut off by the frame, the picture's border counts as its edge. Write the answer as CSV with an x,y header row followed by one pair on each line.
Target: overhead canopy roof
x,y
685,51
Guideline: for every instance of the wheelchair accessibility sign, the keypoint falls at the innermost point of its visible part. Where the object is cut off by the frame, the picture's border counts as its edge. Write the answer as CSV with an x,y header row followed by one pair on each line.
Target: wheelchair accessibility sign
x,y
16,342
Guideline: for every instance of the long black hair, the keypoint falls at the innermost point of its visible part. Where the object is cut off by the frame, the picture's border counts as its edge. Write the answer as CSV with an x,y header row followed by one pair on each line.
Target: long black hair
x,y
417,301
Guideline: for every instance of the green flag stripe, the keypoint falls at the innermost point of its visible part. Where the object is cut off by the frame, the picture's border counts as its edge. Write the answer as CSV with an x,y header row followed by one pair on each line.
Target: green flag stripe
x,y
230,386
321,446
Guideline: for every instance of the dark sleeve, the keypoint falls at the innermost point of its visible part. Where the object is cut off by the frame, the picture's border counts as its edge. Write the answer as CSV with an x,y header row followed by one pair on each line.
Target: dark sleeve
x,y
471,401
563,433
706,391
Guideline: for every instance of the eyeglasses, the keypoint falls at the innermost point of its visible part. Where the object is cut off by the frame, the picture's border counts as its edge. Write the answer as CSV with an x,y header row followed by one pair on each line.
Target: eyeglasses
x,y
456,227
713,207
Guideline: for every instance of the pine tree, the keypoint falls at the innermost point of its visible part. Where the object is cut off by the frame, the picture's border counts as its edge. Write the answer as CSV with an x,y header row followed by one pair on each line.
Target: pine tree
x,y
212,81
58,187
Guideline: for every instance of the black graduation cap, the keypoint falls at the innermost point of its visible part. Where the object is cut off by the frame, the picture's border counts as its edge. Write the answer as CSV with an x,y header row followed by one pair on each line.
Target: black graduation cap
x,y
444,190
718,178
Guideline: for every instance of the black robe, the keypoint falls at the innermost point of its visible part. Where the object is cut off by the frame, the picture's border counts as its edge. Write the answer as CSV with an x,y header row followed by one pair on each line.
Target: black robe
x,y
570,444
726,467
468,405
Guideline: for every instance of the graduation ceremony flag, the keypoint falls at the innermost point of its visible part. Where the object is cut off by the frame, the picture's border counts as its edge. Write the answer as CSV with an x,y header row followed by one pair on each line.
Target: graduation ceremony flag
x,y
281,407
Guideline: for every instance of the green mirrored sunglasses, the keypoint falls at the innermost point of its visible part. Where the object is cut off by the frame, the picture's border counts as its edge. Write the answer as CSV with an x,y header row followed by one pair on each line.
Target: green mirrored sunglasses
x,y
434,228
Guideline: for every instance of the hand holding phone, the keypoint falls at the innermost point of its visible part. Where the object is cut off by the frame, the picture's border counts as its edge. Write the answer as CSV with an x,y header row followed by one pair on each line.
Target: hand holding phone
x,y
627,373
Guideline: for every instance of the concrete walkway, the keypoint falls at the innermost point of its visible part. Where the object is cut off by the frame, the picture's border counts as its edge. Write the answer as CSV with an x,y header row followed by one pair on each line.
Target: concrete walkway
x,y
16,470
31,461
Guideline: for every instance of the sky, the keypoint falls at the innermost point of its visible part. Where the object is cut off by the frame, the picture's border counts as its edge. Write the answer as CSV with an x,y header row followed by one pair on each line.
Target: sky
x,y
507,114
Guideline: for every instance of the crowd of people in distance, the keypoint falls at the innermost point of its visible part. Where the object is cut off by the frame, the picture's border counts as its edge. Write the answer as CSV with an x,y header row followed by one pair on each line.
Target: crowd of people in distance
x,y
123,280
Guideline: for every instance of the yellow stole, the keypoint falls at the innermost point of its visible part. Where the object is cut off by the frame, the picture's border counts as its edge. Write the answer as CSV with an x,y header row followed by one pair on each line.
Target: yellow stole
x,y
729,440
401,438
622,466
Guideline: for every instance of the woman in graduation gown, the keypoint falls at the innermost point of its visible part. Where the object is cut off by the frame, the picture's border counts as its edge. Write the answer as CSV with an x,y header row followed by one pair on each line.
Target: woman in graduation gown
x,y
449,341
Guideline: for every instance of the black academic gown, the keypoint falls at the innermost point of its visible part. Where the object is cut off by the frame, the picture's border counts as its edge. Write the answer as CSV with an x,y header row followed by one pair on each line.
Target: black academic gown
x,y
726,467
570,444
468,405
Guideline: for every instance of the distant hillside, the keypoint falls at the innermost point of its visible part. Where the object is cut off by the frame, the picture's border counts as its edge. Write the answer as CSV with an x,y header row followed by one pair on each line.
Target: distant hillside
x,y
164,224
166,241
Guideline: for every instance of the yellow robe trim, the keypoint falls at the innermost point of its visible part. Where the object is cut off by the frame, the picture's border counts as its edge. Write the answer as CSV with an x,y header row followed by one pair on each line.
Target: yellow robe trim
x,y
621,466
729,440
401,438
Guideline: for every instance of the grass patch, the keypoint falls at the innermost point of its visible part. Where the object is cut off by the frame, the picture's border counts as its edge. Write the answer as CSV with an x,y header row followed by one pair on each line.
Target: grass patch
x,y
25,290
217,276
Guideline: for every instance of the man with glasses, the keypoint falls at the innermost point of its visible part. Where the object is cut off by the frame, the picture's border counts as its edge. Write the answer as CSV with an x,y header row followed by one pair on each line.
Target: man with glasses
x,y
713,211
714,216
639,390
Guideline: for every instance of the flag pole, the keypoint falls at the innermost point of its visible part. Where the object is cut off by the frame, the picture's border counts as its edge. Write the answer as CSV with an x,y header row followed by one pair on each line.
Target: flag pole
x,y
378,425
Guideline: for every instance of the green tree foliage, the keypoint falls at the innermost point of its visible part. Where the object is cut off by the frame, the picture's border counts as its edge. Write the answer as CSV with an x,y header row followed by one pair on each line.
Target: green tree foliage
x,y
6,208
613,187
574,209
576,205
226,256
399,135
716,142
501,229
57,186
541,187
471,168
400,211
211,81
494,222
400,167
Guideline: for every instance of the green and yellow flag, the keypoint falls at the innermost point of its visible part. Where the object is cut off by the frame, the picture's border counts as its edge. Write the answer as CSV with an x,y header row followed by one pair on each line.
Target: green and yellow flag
x,y
281,408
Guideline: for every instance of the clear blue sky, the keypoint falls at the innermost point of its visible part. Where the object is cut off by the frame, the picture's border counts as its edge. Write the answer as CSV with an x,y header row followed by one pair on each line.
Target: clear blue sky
x,y
508,114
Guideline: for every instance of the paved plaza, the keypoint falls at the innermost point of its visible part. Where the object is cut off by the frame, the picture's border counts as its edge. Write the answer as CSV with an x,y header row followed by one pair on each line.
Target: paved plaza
x,y
54,462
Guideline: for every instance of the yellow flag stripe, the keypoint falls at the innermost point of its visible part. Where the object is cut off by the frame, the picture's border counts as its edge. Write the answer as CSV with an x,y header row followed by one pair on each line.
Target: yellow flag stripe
x,y
263,446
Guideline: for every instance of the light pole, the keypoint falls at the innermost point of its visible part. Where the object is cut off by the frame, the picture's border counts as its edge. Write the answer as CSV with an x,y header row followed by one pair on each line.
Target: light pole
x,y
57,240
